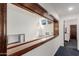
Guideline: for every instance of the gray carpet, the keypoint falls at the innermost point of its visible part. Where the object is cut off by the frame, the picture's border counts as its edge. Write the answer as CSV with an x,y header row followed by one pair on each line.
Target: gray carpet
x,y
65,51
70,49
71,44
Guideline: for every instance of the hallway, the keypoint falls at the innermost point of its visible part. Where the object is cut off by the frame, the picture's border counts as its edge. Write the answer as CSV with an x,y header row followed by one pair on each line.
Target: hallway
x,y
39,29
47,20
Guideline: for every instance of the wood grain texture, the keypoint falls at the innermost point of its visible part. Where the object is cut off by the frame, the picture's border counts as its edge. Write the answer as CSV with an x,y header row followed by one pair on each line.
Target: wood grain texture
x,y
23,51
56,28
3,29
36,8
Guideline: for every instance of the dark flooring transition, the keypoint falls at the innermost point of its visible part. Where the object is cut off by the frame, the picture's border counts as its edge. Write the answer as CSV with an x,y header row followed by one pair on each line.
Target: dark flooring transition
x,y
70,49
71,44
64,51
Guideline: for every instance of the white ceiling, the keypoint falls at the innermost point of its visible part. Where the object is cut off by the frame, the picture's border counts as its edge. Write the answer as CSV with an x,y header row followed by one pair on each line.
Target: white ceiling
x,y
62,8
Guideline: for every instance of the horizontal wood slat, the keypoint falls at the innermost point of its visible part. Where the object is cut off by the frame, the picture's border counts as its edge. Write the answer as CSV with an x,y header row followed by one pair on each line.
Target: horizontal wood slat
x,y
23,51
35,8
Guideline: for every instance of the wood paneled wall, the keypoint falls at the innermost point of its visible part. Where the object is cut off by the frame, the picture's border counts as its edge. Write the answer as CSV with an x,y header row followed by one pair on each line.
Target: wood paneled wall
x,y
36,8
56,28
3,30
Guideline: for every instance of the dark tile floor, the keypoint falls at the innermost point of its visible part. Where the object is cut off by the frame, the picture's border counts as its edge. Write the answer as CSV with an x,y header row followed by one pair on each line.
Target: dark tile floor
x,y
71,44
70,49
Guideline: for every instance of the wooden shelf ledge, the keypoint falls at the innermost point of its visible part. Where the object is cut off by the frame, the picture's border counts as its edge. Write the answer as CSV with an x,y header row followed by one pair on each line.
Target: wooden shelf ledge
x,y
26,47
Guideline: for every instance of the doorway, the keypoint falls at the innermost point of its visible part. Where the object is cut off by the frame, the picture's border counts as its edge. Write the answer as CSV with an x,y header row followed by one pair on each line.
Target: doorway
x,y
73,32
73,37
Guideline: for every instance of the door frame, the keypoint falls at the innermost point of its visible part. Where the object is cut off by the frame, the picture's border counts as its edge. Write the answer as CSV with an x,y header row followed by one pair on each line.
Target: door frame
x,y
69,36
76,35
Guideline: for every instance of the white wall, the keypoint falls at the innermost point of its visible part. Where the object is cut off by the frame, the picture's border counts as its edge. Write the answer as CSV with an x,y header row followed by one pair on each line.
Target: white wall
x,y
78,33
18,18
51,47
20,21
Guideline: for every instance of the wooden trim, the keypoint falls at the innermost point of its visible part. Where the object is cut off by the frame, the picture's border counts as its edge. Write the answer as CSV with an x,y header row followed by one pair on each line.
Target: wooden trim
x,y
21,44
3,29
21,52
56,28
35,8
14,42
24,43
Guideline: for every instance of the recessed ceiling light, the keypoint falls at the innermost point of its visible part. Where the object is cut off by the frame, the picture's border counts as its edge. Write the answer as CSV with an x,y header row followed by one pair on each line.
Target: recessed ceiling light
x,y
70,8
